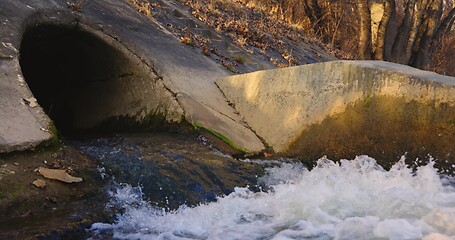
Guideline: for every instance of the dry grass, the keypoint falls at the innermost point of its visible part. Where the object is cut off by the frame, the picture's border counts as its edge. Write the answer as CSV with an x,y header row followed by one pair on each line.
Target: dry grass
x,y
203,44
186,40
241,41
76,6
249,26
258,24
143,6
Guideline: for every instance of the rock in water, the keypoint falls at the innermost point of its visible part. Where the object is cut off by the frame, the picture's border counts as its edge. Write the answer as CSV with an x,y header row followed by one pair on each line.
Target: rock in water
x,y
58,174
39,183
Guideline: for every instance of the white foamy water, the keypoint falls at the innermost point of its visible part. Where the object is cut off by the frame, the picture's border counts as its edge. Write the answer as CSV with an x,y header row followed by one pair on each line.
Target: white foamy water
x,y
351,200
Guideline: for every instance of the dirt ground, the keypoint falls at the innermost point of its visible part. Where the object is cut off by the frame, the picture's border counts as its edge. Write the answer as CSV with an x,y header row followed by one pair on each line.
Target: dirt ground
x,y
30,212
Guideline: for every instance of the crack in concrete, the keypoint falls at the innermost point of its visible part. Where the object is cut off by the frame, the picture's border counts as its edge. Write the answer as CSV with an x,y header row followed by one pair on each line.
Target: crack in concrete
x,y
175,94
114,76
140,59
243,122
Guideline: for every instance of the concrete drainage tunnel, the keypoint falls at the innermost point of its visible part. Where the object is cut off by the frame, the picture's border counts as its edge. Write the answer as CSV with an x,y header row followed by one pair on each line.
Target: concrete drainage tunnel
x,y
83,83
78,79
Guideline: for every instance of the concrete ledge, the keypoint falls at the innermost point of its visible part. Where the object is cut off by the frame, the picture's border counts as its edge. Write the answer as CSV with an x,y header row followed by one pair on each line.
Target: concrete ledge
x,y
347,108
145,74
22,126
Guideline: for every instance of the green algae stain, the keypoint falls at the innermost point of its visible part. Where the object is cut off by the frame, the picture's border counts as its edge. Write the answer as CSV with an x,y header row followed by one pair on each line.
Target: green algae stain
x,y
223,138
154,120
53,141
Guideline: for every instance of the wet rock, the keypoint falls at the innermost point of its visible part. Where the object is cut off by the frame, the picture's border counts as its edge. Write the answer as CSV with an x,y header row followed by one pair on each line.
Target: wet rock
x,y
58,174
39,183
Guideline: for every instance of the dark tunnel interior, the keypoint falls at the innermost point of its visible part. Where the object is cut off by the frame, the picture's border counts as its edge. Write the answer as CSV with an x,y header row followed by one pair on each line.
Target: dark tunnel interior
x,y
59,63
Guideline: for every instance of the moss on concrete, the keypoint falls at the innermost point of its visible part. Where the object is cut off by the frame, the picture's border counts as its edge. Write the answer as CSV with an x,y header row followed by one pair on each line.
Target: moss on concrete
x,y
222,138
53,141
154,120
384,128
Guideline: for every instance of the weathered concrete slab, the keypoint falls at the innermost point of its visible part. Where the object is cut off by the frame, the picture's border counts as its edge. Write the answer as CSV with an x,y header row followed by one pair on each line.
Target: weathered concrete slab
x,y
178,73
21,126
346,108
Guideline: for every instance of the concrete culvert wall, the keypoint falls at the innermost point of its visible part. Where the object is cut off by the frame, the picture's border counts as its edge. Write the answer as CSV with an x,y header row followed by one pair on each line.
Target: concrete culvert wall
x,y
82,81
346,108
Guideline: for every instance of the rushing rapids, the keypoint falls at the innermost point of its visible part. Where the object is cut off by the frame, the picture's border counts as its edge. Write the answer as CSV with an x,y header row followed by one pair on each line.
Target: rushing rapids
x,y
355,199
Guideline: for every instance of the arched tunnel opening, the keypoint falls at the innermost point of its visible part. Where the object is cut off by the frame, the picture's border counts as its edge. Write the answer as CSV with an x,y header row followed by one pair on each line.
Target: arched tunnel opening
x,y
83,82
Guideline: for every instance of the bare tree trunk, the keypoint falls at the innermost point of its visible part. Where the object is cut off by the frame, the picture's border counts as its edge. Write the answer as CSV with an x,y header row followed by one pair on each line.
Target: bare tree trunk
x,y
318,25
365,29
399,44
446,24
423,50
421,6
391,31
314,13
384,38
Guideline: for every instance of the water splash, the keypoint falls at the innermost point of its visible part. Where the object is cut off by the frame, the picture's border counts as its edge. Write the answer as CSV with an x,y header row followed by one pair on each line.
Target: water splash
x,y
354,199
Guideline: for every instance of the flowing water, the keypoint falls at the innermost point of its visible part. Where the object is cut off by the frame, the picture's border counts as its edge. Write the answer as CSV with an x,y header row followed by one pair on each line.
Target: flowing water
x,y
355,199
169,169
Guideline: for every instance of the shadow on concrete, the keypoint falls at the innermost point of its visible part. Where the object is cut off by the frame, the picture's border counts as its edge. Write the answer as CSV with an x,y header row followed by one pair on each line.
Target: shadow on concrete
x,y
83,82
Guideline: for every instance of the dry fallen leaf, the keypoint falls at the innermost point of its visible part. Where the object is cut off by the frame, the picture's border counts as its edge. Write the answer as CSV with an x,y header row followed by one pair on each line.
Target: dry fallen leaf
x,y
39,183
58,174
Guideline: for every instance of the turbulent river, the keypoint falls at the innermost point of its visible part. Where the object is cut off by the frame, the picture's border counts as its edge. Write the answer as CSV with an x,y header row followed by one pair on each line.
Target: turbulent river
x,y
355,199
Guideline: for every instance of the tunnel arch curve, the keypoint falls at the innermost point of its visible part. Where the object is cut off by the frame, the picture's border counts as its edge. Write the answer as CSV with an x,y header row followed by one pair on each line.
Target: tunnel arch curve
x,y
85,79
